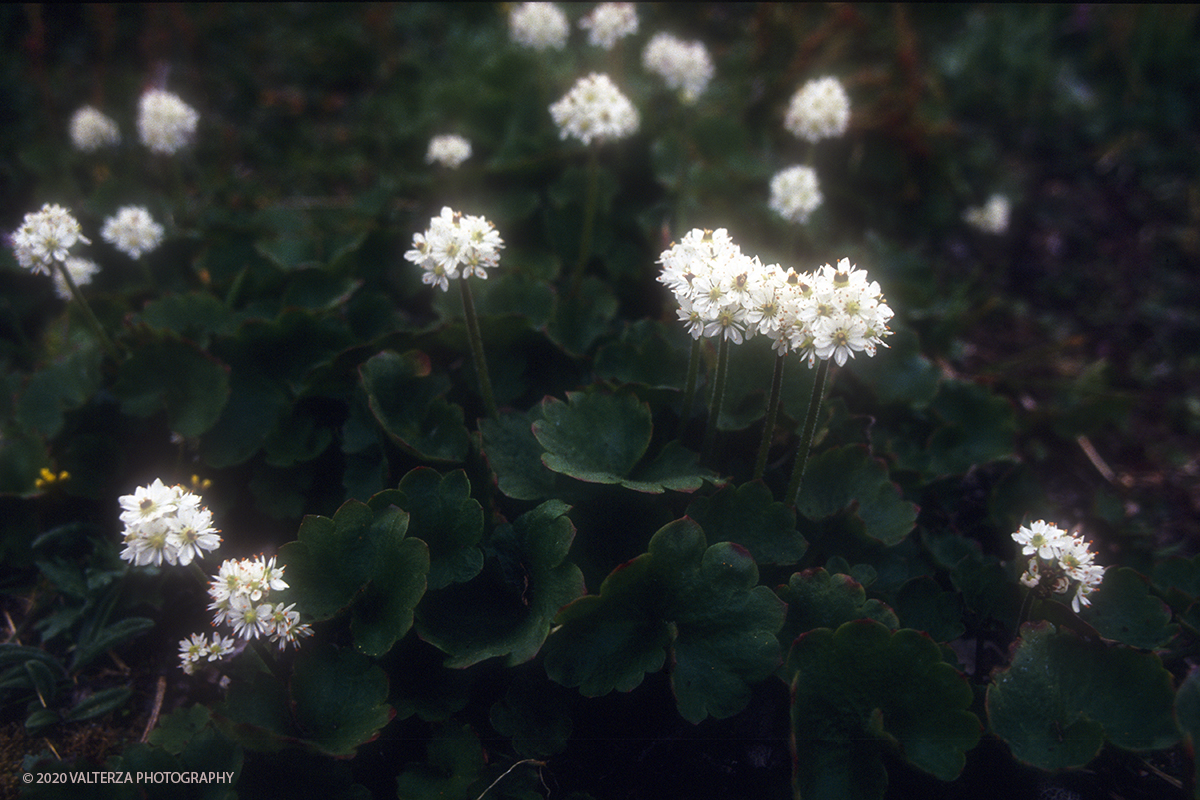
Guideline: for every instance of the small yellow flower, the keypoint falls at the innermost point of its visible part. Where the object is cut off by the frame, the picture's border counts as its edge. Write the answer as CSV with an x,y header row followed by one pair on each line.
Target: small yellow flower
x,y
48,478
200,484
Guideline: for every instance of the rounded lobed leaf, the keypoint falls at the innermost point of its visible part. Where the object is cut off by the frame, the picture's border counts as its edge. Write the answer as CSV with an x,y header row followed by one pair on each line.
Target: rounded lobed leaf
x,y
863,681
1062,696
750,515
593,437
844,475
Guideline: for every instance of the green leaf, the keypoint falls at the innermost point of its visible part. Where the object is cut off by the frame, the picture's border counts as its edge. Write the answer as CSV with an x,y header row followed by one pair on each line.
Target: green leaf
x,y
177,376
407,401
331,559
39,720
176,729
340,699
863,682
593,437
445,516
817,599
508,608
536,715
750,516
1187,711
253,411
646,354
977,427
675,468
921,604
64,385
44,678
903,375
1062,697
194,315
844,475
98,703
108,638
582,317
1123,609
701,602
609,640
335,702
452,764
384,610
726,625
515,455
300,437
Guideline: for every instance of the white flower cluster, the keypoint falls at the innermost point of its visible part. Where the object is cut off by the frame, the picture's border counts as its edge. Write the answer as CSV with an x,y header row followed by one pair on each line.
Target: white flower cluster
x,y
685,66
81,269
132,231
992,217
165,123
539,25
196,648
829,313
609,22
453,242
595,109
795,193
236,591
91,130
46,236
165,523
449,150
818,110
1057,559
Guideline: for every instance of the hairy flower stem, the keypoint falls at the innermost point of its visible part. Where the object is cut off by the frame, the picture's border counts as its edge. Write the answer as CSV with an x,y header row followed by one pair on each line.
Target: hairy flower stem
x,y
810,427
589,219
718,397
481,371
88,316
689,393
764,446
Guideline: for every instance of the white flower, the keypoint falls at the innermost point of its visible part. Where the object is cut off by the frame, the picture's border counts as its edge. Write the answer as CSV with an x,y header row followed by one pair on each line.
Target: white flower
x,y
248,619
148,503
165,523
794,193
539,25
1058,559
286,627
191,651
685,66
818,110
150,543
46,236
81,270
992,217
595,109
132,231
91,130
453,241
219,646
1041,538
193,532
609,22
165,123
449,150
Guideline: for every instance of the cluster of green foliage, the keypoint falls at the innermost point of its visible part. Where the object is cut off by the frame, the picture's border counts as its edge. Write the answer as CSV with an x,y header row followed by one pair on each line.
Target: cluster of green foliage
x,y
486,590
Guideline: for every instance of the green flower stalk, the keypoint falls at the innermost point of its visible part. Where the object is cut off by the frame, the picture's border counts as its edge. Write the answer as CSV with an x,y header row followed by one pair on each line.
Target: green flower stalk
x,y
806,437
594,111
42,245
456,247
764,445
